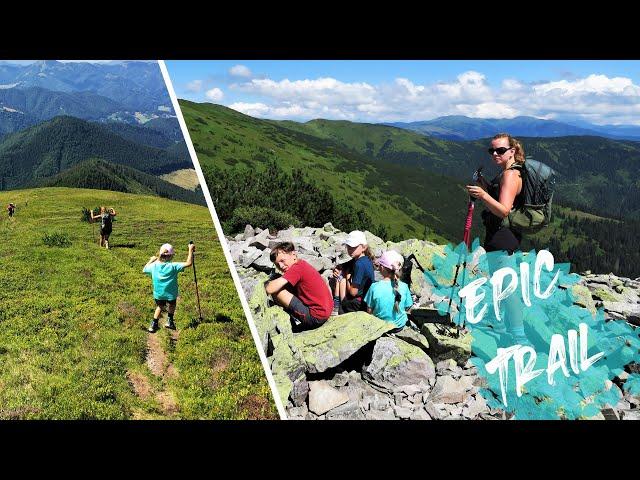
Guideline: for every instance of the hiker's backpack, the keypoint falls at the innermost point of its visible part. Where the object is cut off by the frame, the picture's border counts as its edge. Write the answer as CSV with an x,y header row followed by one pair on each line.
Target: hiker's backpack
x,y
106,221
407,267
534,212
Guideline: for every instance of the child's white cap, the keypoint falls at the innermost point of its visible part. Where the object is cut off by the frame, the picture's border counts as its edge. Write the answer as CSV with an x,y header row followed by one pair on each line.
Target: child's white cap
x,y
166,249
355,238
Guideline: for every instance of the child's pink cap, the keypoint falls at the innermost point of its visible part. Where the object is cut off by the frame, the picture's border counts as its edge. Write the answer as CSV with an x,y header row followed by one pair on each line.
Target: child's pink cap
x,y
166,249
391,260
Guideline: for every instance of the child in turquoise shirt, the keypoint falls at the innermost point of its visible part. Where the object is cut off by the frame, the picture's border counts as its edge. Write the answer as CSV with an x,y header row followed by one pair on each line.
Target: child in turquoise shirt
x,y
389,299
164,274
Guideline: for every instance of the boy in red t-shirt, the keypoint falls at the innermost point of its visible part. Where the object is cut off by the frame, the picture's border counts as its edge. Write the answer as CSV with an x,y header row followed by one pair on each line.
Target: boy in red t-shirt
x,y
300,290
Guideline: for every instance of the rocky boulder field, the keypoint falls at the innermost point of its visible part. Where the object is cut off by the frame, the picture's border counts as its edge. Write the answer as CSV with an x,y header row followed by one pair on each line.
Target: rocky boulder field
x,y
352,368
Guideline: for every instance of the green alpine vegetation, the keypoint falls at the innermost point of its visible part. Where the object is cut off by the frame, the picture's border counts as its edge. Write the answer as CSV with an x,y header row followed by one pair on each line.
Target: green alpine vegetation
x,y
74,343
46,149
409,185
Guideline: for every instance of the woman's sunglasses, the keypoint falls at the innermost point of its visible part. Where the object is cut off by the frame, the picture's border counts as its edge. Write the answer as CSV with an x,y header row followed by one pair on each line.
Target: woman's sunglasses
x,y
499,150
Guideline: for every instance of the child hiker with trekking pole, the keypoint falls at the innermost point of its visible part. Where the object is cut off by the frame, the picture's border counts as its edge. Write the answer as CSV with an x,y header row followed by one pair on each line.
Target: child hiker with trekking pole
x,y
164,274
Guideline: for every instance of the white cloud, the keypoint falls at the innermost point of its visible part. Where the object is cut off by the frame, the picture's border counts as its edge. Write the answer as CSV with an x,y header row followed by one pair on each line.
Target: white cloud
x,y
215,94
195,86
596,98
240,71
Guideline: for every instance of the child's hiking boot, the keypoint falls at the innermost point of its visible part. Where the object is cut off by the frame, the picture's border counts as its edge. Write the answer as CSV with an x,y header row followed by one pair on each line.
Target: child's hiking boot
x,y
336,307
153,327
170,324
106,244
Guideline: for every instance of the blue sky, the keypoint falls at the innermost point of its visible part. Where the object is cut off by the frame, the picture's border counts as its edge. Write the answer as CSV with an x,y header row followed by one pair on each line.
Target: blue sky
x,y
379,91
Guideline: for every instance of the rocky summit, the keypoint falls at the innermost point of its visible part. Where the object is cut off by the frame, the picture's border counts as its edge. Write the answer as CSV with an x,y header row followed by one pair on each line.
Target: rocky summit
x,y
353,368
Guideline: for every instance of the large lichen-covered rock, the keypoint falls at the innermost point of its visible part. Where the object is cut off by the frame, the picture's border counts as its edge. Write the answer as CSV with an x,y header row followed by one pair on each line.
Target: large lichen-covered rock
x,y
284,386
284,360
582,297
338,339
443,344
395,362
413,337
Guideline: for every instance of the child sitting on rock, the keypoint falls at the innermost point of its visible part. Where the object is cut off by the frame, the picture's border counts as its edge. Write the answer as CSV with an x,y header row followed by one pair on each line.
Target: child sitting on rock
x,y
300,290
164,274
353,279
389,299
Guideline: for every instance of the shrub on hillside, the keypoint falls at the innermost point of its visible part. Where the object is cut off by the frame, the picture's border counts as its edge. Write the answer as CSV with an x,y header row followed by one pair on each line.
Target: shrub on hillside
x,y
259,217
56,239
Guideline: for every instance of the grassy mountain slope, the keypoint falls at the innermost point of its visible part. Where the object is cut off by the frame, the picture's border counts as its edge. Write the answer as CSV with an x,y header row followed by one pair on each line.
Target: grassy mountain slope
x,y
102,175
595,173
401,197
51,147
74,343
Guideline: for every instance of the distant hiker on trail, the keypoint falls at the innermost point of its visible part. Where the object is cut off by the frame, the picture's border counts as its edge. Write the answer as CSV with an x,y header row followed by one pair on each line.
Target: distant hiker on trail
x,y
502,194
300,290
389,299
351,281
164,274
106,224
11,209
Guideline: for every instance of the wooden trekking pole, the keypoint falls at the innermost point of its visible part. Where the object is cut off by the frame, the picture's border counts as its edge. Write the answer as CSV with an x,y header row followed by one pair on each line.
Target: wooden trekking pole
x,y
195,279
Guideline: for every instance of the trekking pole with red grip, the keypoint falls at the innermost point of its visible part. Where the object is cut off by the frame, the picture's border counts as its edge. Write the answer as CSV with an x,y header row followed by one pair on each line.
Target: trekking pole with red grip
x,y
467,240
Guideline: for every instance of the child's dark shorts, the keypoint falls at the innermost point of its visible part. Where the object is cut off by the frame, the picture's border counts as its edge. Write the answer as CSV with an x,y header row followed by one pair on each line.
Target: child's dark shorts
x,y
163,303
300,311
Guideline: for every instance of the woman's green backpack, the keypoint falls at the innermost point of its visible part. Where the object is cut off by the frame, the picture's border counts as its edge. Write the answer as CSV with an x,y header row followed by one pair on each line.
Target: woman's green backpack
x,y
534,212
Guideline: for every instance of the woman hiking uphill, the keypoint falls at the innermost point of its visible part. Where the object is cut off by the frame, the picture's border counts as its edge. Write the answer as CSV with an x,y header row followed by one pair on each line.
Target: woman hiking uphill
x,y
164,274
106,224
500,196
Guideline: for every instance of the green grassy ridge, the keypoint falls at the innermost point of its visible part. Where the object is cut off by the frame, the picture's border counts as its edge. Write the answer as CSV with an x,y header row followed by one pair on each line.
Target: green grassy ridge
x,y
51,147
594,172
228,139
74,318
99,174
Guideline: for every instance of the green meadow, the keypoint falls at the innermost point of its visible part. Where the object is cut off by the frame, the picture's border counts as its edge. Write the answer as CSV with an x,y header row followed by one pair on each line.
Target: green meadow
x,y
73,318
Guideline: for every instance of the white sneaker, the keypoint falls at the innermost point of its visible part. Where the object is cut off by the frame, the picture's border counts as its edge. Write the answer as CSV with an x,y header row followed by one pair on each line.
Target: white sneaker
x,y
106,244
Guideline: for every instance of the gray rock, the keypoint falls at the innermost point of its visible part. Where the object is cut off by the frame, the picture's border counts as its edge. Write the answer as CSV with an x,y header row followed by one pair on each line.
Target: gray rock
x,y
299,391
412,337
260,241
258,231
409,390
476,406
263,263
402,412
346,408
420,415
380,415
630,414
609,414
395,362
445,366
248,256
338,339
340,379
323,397
448,390
249,231
380,402
397,398
297,412
318,263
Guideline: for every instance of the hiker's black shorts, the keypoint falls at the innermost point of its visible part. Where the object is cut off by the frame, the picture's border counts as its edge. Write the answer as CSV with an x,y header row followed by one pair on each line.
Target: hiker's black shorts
x,y
354,304
299,310
105,232
163,303
502,239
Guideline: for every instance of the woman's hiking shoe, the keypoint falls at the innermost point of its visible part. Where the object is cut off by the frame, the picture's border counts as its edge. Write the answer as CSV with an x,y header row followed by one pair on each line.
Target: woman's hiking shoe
x,y
170,324
153,327
336,308
106,244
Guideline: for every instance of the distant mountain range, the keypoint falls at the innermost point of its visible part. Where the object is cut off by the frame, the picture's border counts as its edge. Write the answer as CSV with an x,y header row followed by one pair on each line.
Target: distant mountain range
x,y
458,127
138,85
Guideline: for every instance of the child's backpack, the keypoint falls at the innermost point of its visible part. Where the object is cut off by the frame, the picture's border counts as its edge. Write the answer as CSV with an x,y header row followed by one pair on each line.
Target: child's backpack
x,y
538,182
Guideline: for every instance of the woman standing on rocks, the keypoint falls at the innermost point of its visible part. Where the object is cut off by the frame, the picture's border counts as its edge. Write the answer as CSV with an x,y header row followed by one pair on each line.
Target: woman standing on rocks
x,y
500,196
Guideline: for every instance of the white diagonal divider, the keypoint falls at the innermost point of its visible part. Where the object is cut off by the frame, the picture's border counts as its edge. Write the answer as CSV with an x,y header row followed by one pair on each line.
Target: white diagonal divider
x,y
223,242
